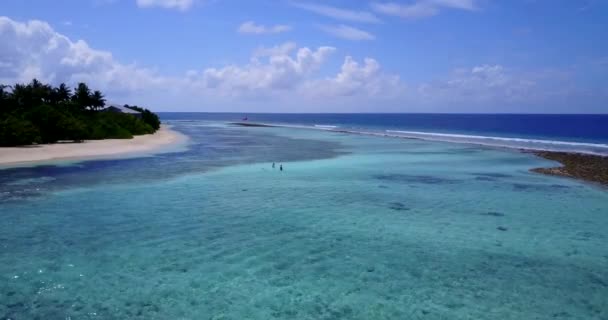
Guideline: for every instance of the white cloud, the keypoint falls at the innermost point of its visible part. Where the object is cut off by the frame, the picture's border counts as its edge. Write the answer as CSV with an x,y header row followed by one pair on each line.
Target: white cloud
x,y
354,79
285,78
34,49
282,74
338,13
347,32
249,27
270,70
167,4
421,8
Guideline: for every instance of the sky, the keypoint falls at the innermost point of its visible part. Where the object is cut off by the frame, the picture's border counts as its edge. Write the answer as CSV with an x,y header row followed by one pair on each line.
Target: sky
x,y
436,56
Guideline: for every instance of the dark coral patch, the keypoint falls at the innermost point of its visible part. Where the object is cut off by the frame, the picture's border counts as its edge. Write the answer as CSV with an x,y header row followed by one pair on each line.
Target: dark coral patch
x,y
539,187
422,179
491,175
493,214
398,206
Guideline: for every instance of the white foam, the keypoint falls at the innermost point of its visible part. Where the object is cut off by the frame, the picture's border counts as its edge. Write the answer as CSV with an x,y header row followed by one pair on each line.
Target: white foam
x,y
490,141
508,142
447,135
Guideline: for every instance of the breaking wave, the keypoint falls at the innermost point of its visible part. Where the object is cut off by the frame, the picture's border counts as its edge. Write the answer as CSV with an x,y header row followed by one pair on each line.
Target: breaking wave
x,y
490,141
507,142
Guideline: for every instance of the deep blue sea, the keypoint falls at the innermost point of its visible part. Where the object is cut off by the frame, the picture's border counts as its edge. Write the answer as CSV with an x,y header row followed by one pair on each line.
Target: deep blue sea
x,y
359,224
579,133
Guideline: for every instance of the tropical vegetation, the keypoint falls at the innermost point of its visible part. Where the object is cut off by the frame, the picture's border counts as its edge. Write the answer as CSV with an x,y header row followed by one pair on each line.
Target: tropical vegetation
x,y
37,113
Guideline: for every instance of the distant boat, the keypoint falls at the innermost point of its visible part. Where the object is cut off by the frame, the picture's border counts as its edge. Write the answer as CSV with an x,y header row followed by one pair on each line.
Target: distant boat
x,y
245,119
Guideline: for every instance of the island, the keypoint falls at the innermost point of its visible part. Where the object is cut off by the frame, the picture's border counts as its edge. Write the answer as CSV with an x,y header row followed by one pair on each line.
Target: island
x,y
40,122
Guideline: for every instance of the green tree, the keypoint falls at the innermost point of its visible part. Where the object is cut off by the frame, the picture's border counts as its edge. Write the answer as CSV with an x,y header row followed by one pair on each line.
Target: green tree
x,y
70,128
62,93
45,118
40,113
5,101
147,116
22,95
82,96
4,94
97,100
16,132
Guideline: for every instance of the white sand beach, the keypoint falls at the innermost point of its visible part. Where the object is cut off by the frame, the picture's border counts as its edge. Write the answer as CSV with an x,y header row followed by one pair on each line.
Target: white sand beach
x,y
163,139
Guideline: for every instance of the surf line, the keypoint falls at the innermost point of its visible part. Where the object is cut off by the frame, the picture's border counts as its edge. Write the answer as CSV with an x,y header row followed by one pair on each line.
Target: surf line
x,y
487,141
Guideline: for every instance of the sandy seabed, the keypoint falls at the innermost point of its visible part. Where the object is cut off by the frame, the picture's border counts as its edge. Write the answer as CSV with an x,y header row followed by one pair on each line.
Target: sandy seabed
x,y
163,139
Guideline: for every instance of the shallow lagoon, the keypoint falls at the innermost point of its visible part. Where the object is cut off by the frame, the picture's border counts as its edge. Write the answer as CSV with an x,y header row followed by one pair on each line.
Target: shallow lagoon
x,y
355,227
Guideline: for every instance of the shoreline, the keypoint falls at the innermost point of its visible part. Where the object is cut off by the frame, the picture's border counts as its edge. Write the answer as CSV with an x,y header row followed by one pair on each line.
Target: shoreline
x,y
158,142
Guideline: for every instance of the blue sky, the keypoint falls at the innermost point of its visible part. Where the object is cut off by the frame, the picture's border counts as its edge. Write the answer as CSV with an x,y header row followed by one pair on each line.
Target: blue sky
x,y
317,56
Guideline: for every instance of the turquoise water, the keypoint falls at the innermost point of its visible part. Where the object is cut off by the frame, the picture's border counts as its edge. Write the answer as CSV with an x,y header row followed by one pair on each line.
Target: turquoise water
x,y
355,227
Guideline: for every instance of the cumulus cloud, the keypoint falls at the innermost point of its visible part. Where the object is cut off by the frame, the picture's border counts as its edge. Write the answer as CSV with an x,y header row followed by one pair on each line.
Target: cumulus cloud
x,y
355,79
347,32
34,50
167,4
337,13
298,78
270,70
421,8
250,27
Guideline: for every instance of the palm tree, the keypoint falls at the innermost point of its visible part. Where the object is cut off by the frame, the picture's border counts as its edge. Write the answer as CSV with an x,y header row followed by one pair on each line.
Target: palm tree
x,y
82,96
45,93
39,93
4,99
63,93
22,95
3,93
97,100
35,84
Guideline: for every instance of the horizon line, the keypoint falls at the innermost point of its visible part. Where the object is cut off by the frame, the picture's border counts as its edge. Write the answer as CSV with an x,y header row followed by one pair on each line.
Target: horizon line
x,y
389,113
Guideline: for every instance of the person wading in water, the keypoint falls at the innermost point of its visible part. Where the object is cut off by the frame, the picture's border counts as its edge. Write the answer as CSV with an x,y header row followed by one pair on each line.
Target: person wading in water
x,y
281,167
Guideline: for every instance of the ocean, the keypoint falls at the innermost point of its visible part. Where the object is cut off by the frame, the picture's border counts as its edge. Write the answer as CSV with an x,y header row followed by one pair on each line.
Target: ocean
x,y
559,132
360,224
